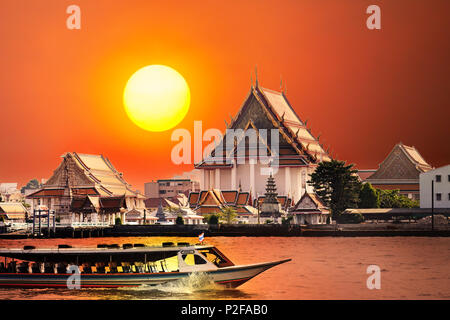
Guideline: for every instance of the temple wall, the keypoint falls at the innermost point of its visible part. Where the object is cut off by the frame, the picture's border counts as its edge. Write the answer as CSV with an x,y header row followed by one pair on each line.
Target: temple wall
x,y
225,179
290,181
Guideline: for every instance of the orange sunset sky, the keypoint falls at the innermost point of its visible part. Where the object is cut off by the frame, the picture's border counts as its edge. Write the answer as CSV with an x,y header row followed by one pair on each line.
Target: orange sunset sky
x,y
363,90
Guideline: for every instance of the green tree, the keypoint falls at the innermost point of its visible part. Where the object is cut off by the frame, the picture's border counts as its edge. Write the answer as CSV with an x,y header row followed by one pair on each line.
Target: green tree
x,y
287,220
228,214
32,184
179,220
212,219
26,205
393,199
118,221
368,197
337,185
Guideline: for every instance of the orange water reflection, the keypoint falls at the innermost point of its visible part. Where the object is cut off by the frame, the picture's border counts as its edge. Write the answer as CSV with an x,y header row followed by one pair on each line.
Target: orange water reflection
x,y
321,268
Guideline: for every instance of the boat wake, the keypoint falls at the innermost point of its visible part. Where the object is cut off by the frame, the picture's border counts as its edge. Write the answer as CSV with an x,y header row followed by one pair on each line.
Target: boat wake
x,y
196,281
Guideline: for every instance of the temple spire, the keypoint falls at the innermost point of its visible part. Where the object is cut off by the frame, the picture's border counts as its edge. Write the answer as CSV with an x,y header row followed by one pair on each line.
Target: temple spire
x,y
256,76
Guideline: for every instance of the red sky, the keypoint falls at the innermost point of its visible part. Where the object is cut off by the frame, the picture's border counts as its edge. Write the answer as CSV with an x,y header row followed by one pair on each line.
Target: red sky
x,y
363,90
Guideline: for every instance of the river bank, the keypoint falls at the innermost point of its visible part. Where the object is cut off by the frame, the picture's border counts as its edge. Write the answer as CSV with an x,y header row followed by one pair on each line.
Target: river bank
x,y
239,230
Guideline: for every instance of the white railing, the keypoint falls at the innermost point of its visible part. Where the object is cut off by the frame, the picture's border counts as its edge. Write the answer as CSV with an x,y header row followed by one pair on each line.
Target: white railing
x,y
83,224
89,224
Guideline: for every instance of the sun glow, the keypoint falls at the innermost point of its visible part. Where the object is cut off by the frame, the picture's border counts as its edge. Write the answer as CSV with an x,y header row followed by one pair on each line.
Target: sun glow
x,y
156,98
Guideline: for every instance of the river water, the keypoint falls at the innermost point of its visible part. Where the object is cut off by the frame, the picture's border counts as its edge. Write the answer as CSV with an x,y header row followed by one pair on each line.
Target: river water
x,y
321,268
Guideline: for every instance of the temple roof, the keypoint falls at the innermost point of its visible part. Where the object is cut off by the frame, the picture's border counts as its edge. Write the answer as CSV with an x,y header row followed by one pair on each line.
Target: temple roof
x,y
310,202
214,200
86,174
297,145
402,163
12,207
103,204
284,201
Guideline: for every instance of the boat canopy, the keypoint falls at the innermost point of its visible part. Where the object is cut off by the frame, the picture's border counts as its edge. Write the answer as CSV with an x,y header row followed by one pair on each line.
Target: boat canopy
x,y
94,255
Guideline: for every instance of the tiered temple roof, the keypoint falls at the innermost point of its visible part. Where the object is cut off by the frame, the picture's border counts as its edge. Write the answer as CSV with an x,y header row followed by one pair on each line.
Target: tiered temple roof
x,y
85,175
213,201
268,109
12,210
284,201
98,204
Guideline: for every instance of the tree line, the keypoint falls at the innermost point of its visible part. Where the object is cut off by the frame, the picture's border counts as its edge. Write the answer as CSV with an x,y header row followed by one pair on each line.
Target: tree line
x,y
339,187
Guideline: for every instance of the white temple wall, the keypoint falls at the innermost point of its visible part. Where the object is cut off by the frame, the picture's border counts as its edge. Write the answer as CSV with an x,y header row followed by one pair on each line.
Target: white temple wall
x,y
289,180
225,179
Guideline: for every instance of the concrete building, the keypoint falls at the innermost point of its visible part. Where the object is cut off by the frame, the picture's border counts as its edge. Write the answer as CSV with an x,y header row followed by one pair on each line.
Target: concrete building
x,y
166,188
9,192
441,178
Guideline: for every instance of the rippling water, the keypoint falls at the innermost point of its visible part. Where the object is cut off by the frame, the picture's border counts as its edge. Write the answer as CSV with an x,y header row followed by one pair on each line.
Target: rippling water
x,y
321,268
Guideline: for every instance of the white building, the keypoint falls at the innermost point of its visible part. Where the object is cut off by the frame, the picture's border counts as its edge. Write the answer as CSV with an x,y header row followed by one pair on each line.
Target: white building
x,y
441,178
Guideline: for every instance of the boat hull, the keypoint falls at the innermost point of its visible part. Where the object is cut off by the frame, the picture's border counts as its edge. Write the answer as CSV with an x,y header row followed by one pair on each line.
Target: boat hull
x,y
230,277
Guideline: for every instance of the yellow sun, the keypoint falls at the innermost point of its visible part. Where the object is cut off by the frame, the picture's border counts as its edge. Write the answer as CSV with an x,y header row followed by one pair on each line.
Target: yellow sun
x,y
156,98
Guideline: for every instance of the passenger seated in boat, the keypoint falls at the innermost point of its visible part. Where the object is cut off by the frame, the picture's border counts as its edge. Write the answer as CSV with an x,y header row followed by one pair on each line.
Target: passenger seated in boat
x,y
62,268
100,267
12,267
2,267
48,268
125,267
22,267
36,268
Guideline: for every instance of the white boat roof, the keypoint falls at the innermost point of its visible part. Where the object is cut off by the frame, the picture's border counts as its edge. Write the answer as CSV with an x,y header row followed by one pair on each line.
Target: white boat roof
x,y
91,250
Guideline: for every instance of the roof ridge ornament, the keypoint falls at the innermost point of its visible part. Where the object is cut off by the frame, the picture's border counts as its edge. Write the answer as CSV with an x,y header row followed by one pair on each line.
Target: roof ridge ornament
x,y
256,76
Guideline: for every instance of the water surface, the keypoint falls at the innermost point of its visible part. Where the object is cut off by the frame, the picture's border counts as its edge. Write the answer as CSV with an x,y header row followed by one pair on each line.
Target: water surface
x,y
321,268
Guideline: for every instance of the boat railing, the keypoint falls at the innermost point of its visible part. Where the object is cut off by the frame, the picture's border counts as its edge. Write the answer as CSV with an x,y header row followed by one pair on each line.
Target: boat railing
x,y
84,224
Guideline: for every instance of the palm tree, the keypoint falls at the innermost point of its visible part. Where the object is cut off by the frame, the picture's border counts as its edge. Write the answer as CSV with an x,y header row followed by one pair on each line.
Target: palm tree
x,y
228,214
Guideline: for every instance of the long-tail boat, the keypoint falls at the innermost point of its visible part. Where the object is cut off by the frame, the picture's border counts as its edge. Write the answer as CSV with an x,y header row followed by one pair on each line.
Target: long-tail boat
x,y
121,266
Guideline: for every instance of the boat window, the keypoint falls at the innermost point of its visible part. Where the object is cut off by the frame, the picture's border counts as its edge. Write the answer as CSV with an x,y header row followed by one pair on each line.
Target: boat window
x,y
211,257
192,259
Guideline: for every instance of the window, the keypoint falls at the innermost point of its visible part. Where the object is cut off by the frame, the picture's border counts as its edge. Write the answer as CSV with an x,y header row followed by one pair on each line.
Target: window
x,y
449,178
449,197
438,178
192,259
438,196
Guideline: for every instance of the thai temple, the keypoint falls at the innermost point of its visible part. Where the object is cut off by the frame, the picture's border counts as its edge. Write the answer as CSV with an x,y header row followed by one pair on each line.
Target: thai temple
x,y
87,188
246,166
401,170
